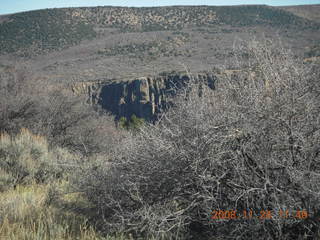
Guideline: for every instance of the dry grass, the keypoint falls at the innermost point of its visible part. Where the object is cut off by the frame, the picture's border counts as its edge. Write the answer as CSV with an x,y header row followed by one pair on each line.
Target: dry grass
x,y
25,214
26,158
38,210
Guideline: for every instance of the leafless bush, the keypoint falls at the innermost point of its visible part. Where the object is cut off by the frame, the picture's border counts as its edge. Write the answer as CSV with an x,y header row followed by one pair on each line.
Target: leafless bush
x,y
69,122
253,143
53,112
16,102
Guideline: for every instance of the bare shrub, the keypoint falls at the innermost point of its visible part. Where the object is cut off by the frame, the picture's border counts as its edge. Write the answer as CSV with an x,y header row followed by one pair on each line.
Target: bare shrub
x,y
253,143
54,112
68,122
17,106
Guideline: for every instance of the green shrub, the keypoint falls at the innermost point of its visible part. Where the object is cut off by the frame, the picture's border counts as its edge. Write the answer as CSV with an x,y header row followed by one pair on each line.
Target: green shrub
x,y
134,123
123,123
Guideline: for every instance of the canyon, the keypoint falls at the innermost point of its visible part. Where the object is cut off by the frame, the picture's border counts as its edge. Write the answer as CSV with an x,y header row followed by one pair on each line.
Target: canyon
x,y
144,97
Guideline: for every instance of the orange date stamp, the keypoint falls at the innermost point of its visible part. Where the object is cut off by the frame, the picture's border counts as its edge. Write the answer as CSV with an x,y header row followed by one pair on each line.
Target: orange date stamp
x,y
260,215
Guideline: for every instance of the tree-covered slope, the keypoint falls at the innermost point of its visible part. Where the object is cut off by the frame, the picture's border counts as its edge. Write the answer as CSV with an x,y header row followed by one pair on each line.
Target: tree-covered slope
x,y
51,29
41,30
311,12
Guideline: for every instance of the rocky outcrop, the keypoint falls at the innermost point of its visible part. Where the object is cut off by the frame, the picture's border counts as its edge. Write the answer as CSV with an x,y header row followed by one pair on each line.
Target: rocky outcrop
x,y
145,97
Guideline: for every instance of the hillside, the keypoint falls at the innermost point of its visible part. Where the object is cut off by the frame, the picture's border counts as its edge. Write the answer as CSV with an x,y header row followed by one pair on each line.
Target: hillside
x,y
186,123
311,12
52,29
115,43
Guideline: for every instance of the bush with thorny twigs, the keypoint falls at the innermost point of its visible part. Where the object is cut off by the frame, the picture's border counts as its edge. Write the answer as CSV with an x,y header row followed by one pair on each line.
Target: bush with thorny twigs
x,y
252,143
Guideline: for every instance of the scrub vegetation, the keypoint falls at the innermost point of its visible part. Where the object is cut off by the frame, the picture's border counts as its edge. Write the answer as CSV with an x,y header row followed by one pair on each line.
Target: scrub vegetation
x,y
67,171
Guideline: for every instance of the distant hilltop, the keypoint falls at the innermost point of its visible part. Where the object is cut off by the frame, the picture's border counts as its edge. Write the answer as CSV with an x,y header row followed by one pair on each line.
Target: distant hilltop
x,y
54,29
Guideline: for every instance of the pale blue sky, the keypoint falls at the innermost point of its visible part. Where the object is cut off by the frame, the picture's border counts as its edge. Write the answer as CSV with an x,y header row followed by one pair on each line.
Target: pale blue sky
x,y
11,6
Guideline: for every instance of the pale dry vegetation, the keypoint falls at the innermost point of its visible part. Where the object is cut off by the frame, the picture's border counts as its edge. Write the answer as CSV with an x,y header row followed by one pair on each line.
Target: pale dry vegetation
x,y
253,143
45,133
27,214
54,112
26,159
35,200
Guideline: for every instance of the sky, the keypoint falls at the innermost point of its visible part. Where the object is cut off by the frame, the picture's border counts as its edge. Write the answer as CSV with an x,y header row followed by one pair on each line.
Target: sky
x,y
13,6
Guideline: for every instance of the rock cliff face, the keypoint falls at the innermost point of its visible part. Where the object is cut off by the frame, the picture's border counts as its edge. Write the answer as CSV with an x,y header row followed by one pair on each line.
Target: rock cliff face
x,y
145,97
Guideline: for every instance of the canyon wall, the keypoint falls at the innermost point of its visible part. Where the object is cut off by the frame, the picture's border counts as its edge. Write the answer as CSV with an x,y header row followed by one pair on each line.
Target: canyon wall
x,y
144,97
